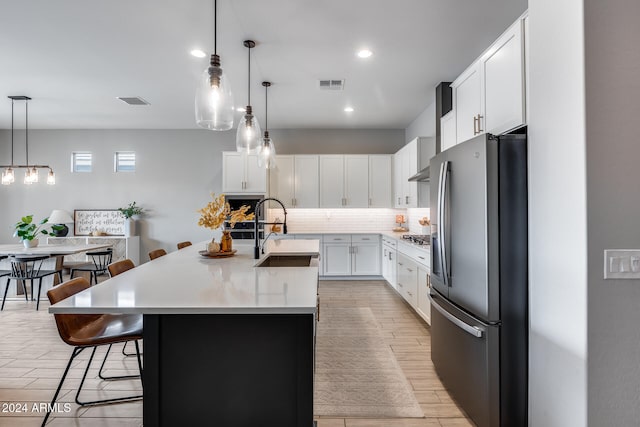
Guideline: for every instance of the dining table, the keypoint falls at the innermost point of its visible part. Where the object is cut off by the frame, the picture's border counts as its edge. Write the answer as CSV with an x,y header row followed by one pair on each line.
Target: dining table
x,y
55,252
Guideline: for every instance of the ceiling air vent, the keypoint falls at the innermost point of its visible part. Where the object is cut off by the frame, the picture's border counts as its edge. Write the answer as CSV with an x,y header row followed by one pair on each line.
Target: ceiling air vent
x,y
332,84
135,100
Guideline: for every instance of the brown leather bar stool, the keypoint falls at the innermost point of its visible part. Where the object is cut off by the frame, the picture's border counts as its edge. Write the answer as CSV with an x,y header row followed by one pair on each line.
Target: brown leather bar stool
x,y
120,267
116,268
100,261
84,331
183,244
157,254
28,267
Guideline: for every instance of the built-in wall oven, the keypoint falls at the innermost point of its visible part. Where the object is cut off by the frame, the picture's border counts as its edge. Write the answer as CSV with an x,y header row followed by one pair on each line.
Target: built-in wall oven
x,y
244,230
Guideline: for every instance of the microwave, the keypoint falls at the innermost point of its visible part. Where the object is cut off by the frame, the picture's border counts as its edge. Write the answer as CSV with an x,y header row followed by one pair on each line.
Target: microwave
x,y
244,230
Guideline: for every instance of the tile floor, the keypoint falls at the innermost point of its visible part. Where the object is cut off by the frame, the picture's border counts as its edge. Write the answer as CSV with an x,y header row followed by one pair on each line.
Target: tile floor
x,y
32,359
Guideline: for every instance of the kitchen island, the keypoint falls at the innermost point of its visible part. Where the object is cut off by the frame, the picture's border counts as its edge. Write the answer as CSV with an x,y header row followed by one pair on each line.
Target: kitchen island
x,y
225,342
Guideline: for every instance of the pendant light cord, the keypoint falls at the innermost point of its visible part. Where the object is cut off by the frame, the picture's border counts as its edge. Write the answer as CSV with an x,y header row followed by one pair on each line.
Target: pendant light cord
x,y
215,27
26,125
12,104
249,76
266,108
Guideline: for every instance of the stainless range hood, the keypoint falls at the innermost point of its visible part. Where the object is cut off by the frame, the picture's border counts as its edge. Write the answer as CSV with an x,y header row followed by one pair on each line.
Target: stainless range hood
x,y
422,176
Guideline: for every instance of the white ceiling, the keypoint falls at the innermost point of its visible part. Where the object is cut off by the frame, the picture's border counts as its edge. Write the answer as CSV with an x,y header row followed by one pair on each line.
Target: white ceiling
x,y
74,57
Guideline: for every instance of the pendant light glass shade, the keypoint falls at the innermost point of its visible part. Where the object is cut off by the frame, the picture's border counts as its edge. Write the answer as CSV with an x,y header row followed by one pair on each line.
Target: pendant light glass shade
x,y
214,100
267,154
248,134
51,177
8,177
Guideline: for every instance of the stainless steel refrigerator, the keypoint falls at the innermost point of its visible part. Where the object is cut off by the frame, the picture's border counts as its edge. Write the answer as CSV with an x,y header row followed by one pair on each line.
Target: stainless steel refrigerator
x,y
479,294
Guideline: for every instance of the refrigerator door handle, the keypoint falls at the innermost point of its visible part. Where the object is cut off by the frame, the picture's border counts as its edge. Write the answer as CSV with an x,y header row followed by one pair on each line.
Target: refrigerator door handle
x,y
443,225
472,330
439,219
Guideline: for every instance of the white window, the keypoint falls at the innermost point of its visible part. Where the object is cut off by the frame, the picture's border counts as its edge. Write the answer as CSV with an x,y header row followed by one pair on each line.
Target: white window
x,y
125,161
81,162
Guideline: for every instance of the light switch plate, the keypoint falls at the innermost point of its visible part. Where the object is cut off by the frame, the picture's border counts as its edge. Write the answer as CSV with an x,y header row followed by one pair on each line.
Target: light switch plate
x,y
622,263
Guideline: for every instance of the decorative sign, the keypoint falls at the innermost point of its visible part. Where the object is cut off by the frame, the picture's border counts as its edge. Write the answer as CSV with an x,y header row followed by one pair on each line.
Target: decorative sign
x,y
108,221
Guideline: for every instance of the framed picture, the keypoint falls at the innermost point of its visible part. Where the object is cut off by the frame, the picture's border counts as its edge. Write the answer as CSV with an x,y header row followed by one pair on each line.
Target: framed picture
x,y
108,221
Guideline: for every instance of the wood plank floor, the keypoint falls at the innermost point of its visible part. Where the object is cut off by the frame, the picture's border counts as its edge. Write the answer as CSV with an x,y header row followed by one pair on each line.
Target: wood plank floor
x,y
32,359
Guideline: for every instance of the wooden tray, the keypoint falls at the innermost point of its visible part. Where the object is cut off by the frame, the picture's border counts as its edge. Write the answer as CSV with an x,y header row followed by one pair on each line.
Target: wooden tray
x,y
217,254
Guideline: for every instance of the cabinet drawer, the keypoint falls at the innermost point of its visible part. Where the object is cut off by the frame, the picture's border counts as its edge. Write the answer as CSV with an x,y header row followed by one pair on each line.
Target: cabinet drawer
x,y
309,237
338,238
418,255
389,241
365,238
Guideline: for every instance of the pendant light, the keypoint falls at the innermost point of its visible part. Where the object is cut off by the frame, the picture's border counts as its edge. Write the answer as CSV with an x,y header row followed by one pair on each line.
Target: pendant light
x,y
248,135
267,153
214,100
31,171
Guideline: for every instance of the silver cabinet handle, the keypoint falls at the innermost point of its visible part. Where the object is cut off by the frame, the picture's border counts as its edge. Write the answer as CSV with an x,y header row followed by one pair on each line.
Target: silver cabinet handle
x,y
480,130
366,238
472,330
399,202
400,263
475,122
390,257
421,257
406,200
385,253
409,270
370,201
337,238
410,293
400,284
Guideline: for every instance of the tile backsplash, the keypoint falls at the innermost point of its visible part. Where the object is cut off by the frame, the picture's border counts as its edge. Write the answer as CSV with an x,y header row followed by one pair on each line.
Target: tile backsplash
x,y
350,220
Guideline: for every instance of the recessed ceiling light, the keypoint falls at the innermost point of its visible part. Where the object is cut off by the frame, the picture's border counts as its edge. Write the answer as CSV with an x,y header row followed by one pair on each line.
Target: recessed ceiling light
x,y
364,53
198,53
348,109
241,110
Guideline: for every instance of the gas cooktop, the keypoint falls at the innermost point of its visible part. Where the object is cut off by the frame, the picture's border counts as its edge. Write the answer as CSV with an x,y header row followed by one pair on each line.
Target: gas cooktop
x,y
418,239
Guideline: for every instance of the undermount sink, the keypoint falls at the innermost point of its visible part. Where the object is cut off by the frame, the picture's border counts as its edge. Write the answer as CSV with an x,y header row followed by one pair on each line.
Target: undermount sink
x,y
285,261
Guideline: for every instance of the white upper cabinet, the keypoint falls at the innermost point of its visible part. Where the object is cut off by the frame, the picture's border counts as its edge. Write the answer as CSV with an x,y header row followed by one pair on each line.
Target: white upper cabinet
x,y
490,95
241,174
504,82
356,181
344,181
467,103
294,181
332,181
380,180
448,130
407,162
306,180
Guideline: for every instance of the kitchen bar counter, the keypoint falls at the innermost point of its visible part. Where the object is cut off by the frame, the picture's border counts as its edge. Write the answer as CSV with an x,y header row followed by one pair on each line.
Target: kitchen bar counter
x,y
184,282
225,343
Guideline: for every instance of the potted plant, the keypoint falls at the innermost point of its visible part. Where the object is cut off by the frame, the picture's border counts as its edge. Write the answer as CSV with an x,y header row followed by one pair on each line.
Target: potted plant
x,y
28,231
131,213
214,216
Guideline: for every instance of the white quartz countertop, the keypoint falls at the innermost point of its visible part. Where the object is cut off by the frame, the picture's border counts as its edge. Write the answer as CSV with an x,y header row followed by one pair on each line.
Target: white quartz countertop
x,y
184,282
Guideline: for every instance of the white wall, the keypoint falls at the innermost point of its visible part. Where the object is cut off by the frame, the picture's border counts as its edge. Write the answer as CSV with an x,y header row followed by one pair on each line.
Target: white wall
x,y
176,171
424,124
557,216
613,152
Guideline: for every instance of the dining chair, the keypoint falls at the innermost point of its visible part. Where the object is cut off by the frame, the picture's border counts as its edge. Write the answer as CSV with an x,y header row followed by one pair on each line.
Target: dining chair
x,y
100,261
157,254
116,268
82,331
183,244
25,267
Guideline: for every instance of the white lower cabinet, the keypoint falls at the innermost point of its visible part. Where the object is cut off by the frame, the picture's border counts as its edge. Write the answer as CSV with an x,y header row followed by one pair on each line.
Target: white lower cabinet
x,y
414,281
351,255
408,279
336,256
424,285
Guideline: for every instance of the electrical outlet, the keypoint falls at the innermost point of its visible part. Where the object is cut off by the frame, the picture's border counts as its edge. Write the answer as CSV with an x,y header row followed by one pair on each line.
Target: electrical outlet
x,y
622,264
